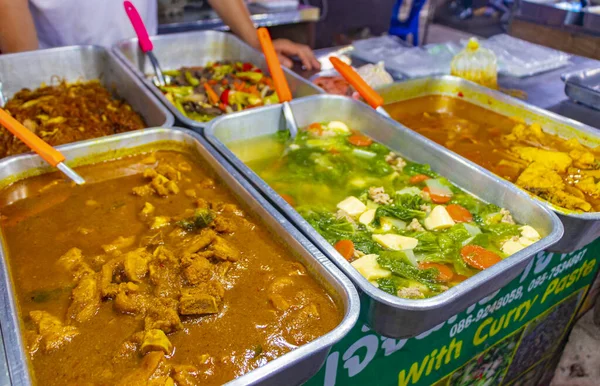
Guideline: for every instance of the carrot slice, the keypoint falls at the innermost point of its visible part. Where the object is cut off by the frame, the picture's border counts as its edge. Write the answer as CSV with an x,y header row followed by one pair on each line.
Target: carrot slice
x,y
212,95
459,278
478,257
459,213
289,199
445,273
436,198
418,178
345,248
316,128
360,140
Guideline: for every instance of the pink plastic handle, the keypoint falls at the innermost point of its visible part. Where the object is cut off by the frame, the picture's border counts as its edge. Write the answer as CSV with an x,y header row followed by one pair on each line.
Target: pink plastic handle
x,y
138,26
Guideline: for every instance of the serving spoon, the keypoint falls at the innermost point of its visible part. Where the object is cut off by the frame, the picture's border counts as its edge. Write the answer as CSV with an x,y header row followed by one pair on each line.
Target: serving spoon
x,y
41,147
369,95
145,43
281,85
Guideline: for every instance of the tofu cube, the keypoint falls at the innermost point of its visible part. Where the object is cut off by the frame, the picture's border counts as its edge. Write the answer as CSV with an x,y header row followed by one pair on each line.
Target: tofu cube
x,y
396,242
367,217
439,218
338,127
530,233
511,247
369,268
353,206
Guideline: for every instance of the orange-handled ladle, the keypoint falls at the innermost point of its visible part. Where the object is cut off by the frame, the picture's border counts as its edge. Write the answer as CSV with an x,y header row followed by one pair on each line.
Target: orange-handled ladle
x,y
281,85
35,143
369,95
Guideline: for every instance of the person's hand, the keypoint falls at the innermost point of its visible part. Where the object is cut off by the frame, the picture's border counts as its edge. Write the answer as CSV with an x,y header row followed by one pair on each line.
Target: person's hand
x,y
286,48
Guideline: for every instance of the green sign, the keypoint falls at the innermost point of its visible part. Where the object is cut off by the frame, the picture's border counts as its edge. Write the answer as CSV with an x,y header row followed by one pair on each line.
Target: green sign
x,y
506,338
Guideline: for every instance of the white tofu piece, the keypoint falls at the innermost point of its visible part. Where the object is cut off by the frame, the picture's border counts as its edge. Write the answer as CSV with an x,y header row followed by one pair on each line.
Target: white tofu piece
x,y
396,242
525,242
369,268
353,206
338,127
511,247
367,217
530,233
439,218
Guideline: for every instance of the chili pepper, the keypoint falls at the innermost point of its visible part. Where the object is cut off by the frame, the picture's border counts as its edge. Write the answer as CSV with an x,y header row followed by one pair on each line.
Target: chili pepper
x,y
225,96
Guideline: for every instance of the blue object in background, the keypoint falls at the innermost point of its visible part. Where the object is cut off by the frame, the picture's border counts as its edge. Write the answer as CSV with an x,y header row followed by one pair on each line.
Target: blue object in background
x,y
410,26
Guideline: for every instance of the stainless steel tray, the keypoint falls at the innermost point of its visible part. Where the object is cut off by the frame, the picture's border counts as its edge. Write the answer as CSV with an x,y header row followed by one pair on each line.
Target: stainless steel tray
x,y
583,86
387,314
580,228
196,49
292,368
31,69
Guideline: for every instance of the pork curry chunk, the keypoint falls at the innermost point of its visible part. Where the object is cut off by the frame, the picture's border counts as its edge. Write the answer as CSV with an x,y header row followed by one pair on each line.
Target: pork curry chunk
x,y
152,274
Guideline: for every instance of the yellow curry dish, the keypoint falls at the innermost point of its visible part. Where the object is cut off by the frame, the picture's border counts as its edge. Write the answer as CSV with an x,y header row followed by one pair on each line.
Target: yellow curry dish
x,y
152,274
562,171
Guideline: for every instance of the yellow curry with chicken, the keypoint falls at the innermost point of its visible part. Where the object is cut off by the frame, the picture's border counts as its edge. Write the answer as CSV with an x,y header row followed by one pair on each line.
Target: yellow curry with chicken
x,y
151,274
563,172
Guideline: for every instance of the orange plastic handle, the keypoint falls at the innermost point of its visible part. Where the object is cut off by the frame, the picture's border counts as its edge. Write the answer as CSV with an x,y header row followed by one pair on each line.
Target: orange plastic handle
x,y
35,143
281,85
365,91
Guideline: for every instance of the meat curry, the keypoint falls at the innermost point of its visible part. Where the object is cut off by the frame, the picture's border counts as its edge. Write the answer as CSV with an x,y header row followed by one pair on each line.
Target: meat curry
x,y
151,274
563,172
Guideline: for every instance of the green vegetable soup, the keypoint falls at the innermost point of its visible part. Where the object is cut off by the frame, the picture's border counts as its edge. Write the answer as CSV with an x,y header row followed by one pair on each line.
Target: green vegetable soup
x,y
406,229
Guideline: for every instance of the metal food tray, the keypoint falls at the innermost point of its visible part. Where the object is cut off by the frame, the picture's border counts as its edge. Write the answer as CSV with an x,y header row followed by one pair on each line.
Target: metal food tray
x,y
583,86
31,69
292,368
390,315
196,49
580,228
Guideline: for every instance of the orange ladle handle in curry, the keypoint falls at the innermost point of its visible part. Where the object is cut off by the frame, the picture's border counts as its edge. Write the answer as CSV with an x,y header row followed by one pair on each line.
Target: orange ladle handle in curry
x,y
281,85
35,143
369,95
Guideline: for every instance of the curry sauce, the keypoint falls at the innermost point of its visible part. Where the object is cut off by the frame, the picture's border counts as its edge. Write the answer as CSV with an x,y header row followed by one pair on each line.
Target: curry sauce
x,y
151,273
561,171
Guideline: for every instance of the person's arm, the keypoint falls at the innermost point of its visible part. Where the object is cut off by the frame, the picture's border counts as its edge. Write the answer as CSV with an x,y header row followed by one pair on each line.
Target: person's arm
x,y
235,14
17,31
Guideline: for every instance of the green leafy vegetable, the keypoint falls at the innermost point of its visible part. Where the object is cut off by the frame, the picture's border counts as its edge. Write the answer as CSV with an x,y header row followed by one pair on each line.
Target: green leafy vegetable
x,y
201,219
395,261
388,285
413,168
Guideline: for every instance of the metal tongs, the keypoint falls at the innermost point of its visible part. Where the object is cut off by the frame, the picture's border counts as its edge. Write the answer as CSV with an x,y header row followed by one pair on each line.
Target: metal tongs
x,y
35,143
369,95
145,43
281,85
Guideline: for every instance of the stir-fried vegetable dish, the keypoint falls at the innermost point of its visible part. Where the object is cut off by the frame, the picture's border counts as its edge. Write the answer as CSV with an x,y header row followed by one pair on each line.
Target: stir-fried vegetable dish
x,y
406,229
151,274
67,112
203,93
563,172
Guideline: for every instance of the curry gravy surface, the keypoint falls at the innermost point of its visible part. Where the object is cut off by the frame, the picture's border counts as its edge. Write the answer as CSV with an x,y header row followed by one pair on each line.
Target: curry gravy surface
x,y
488,139
250,327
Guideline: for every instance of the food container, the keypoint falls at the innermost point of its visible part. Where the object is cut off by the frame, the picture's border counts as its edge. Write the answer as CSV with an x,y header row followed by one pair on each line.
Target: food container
x,y
389,315
580,228
196,49
583,86
591,18
294,367
31,69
